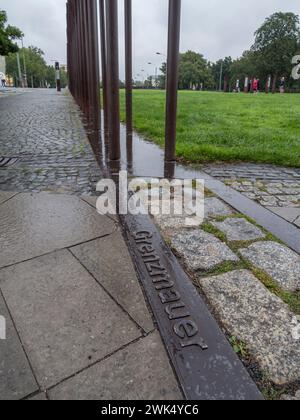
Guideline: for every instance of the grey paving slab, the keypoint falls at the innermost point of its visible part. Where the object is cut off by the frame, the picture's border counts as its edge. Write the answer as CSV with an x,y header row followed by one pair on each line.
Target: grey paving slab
x,y
287,213
16,378
170,222
297,222
239,229
39,397
139,372
4,196
92,201
65,319
109,261
35,224
215,207
259,319
201,250
281,263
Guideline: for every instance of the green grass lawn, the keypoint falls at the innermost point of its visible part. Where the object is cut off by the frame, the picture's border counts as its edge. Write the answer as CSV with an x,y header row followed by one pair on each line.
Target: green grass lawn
x,y
225,127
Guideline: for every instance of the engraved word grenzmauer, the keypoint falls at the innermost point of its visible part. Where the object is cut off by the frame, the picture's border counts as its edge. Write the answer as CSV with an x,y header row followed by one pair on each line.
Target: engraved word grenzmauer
x,y
184,327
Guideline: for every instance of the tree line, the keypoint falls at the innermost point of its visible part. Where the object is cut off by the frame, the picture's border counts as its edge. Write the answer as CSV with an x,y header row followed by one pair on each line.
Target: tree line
x,y
31,60
276,42
39,73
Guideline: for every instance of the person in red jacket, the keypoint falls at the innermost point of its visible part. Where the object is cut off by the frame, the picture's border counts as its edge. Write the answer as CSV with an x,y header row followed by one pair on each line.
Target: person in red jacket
x,y
255,85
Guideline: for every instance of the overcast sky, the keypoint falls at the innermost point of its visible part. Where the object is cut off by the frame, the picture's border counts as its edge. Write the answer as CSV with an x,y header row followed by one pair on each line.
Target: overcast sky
x,y
216,28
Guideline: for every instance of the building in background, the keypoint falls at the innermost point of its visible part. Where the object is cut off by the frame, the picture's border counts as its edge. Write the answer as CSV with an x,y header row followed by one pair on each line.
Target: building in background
x,y
9,81
2,65
64,67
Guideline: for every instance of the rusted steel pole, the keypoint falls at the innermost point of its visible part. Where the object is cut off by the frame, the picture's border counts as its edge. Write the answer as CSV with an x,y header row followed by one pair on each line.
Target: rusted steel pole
x,y
90,61
103,61
128,65
172,78
82,57
96,65
113,97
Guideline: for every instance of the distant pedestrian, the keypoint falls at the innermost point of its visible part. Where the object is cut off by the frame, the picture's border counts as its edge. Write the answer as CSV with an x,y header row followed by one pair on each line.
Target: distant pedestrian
x,y
255,85
282,85
3,80
249,85
258,85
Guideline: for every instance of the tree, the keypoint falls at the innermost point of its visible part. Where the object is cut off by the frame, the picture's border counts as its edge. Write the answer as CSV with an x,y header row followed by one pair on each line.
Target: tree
x,y
36,66
38,72
224,64
161,79
276,42
194,70
246,66
8,34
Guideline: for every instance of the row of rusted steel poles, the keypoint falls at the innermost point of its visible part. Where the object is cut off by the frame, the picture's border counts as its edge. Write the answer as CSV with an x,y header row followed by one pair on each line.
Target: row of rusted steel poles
x,y
83,58
83,65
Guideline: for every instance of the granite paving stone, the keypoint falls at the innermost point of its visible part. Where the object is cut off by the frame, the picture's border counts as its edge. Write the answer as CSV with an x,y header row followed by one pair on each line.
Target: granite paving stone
x,y
125,376
16,378
201,251
121,282
65,319
259,319
215,208
278,261
295,397
239,229
35,224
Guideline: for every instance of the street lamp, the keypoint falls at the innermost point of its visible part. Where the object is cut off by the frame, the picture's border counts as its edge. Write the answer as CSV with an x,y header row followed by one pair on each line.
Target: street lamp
x,y
22,77
24,61
221,76
156,70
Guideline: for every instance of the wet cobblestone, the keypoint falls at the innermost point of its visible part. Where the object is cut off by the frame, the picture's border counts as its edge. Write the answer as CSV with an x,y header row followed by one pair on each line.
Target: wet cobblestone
x,y
44,131
276,188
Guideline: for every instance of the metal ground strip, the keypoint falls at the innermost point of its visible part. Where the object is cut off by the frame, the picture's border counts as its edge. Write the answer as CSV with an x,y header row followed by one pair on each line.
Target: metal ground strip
x,y
204,361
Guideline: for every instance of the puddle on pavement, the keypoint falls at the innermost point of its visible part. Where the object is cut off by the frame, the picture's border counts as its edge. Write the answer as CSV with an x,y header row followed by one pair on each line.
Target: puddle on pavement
x,y
142,158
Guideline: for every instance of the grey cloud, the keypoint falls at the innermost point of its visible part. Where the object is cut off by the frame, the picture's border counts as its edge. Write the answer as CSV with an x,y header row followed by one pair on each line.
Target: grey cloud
x,y
216,28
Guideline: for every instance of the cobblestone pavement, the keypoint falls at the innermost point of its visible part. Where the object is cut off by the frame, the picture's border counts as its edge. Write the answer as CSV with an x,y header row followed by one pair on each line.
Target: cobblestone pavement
x,y
251,282
42,131
273,187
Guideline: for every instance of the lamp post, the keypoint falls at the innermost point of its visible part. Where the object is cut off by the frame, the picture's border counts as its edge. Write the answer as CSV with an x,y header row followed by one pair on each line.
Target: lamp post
x,y
57,76
221,77
24,64
21,80
163,55
113,97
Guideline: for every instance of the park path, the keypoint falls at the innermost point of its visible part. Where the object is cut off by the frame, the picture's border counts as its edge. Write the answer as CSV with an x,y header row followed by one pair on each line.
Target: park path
x,y
77,324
